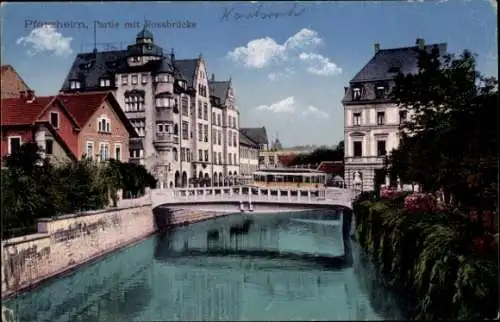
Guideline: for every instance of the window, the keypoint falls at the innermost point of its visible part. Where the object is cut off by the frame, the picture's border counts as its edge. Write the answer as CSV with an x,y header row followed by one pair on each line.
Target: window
x,y
206,155
144,78
103,152
104,125
381,148
356,118
90,150
380,118
214,157
124,79
220,158
235,141
54,119
229,158
230,140
134,101
200,155
213,117
358,149
380,92
218,120
234,159
205,111
74,84
234,122
356,94
189,155
219,138
184,106
214,136
402,116
185,130
205,128
134,79
49,147
138,124
105,82
175,154
118,152
229,121
200,107
183,154
200,132
14,144
135,59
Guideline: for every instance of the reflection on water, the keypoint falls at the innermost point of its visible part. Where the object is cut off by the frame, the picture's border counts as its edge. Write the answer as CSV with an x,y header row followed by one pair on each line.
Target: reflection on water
x,y
241,267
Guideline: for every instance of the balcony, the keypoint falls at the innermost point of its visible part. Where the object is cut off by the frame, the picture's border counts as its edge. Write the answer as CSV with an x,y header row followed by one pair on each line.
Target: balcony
x,y
165,140
365,160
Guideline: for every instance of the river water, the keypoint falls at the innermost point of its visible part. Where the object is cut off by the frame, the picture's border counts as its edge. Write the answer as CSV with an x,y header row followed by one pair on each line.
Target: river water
x,y
285,266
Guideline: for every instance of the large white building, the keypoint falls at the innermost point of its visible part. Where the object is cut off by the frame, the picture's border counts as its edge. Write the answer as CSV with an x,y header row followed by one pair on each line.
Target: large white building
x,y
371,118
188,128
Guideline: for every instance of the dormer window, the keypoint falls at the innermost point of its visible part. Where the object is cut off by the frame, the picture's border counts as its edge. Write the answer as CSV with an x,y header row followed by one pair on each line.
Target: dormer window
x,y
104,125
74,84
356,93
124,79
135,59
163,78
380,92
134,79
105,82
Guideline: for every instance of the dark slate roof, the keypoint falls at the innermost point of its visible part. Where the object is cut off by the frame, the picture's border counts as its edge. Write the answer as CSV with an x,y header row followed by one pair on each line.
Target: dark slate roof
x,y
246,141
88,68
187,67
385,63
256,134
144,33
219,89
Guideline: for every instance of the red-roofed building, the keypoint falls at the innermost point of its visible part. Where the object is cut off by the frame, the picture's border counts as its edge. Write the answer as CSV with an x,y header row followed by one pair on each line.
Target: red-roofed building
x,y
82,124
44,120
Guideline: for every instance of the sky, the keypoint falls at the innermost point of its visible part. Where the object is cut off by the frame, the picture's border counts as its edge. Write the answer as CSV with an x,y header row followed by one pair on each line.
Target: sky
x,y
288,69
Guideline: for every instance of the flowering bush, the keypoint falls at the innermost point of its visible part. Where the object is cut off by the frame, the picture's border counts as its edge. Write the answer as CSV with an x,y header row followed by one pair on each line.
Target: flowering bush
x,y
420,202
390,193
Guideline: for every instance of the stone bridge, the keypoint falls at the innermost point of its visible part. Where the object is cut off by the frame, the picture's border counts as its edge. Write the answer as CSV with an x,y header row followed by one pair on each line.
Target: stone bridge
x,y
252,199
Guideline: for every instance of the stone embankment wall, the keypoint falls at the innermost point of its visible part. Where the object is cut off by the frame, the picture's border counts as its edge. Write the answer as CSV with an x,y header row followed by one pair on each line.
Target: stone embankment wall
x,y
65,242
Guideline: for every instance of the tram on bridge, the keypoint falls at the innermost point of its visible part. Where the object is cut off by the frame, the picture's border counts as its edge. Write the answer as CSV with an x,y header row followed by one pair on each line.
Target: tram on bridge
x,y
289,178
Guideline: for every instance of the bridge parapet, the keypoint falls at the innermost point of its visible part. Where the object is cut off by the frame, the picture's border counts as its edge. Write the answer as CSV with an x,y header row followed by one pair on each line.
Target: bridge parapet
x,y
250,195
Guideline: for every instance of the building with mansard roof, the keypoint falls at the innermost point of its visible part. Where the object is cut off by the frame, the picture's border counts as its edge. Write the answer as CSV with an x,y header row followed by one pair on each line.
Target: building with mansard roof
x,y
168,102
372,118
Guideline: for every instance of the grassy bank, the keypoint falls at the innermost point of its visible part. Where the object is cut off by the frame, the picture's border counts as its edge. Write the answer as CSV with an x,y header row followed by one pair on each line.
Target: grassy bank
x,y
441,263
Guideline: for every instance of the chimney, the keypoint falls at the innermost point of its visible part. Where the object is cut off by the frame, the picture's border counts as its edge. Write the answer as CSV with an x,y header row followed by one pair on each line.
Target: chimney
x,y
420,43
376,48
213,77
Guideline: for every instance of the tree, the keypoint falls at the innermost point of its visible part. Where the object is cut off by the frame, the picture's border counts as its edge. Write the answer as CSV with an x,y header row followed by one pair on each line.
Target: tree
x,y
450,140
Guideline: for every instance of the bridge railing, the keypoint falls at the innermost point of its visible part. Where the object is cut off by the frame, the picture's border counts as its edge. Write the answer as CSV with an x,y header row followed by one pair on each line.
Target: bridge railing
x,y
253,194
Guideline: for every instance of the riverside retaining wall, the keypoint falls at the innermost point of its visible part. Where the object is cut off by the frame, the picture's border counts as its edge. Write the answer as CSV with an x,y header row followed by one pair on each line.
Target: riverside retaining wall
x,y
65,242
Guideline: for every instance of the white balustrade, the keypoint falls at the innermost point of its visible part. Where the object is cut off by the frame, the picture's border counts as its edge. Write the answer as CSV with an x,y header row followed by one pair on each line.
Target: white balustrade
x,y
248,195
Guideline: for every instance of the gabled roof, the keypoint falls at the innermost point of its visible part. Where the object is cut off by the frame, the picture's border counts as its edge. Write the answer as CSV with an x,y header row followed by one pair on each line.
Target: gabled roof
x,y
5,80
187,67
246,141
82,106
256,134
219,89
16,111
386,63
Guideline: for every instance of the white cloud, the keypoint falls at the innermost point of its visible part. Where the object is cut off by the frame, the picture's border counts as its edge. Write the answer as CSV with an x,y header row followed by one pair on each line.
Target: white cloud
x,y
315,111
286,105
320,65
47,39
258,53
281,75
